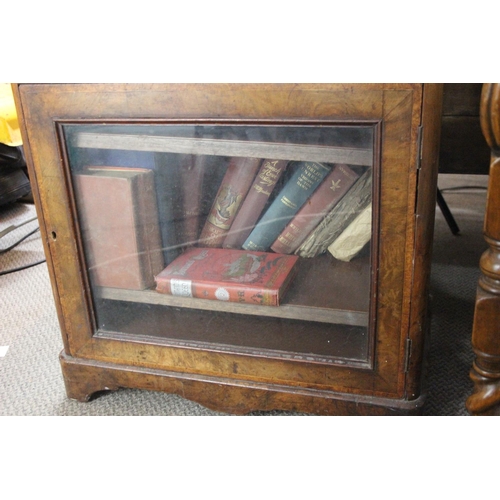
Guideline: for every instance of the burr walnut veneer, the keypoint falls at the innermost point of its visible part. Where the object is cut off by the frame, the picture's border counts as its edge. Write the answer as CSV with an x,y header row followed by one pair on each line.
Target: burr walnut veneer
x,y
348,336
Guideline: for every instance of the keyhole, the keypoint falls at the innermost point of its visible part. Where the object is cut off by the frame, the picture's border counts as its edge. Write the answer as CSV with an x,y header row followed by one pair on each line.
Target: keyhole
x,y
54,235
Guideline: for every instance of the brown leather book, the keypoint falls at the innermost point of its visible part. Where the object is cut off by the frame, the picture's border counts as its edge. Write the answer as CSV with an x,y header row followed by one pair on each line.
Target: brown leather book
x,y
120,229
234,187
192,173
254,203
324,198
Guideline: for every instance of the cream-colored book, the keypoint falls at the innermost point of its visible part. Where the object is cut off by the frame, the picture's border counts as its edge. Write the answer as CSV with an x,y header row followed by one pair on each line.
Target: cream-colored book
x,y
352,240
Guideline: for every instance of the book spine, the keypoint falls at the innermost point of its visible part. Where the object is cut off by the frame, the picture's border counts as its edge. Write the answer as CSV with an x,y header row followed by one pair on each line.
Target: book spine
x,y
168,192
291,198
222,292
150,252
192,172
254,203
234,187
338,218
331,190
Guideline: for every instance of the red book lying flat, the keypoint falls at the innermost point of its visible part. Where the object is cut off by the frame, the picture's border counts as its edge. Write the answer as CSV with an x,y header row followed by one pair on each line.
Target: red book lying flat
x,y
259,278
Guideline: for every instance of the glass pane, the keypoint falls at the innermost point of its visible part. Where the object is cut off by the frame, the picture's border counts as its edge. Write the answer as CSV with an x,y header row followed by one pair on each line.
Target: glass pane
x,y
247,239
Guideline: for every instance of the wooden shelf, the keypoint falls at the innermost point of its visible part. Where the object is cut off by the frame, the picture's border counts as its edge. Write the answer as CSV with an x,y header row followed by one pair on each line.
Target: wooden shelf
x,y
324,291
219,147
322,315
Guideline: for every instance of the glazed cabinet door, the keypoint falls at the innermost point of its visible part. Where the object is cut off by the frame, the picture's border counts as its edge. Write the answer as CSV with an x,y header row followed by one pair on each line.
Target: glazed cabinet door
x,y
246,246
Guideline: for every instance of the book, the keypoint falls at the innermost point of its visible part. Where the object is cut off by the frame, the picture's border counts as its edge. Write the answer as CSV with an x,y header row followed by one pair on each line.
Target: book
x,y
182,191
259,278
192,174
302,183
120,229
169,176
325,233
331,190
354,237
258,196
215,170
160,163
233,189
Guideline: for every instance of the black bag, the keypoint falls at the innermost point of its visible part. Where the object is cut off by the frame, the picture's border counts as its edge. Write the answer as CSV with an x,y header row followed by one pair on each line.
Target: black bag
x,y
14,182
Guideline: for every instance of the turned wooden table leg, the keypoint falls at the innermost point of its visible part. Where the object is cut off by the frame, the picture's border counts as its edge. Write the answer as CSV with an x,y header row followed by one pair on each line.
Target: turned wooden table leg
x,y
485,373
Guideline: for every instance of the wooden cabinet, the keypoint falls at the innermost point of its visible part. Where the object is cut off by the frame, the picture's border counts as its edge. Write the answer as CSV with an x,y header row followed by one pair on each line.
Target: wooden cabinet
x,y
348,334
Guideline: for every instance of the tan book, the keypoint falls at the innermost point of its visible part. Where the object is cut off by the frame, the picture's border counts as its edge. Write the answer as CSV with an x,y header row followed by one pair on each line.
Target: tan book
x,y
354,237
120,229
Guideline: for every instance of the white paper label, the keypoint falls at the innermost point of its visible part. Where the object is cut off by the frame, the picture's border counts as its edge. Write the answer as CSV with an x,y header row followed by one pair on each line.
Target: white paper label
x,y
222,294
3,350
181,288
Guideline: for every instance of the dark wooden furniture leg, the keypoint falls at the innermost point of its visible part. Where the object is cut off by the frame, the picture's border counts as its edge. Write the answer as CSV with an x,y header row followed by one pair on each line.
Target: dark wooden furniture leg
x,y
485,373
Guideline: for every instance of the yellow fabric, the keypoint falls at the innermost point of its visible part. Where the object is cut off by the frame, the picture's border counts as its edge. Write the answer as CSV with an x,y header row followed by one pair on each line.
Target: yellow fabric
x,y
9,125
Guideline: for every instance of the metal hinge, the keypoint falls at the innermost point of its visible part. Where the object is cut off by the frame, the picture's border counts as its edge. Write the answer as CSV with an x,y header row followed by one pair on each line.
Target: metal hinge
x,y
407,354
420,135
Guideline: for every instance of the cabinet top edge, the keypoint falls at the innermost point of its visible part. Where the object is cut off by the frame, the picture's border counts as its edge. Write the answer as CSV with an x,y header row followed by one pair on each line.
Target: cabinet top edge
x,y
161,87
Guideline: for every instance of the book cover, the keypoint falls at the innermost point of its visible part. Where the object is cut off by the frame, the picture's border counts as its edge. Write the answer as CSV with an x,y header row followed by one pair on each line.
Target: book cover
x,y
342,214
259,278
233,189
305,179
120,229
269,174
354,237
331,190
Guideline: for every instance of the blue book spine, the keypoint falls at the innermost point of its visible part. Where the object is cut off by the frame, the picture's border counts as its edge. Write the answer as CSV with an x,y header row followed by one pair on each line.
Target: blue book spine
x,y
294,194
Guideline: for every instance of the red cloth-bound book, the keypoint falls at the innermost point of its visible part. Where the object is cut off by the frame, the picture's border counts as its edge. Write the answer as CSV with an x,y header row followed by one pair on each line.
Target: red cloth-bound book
x,y
259,278
233,190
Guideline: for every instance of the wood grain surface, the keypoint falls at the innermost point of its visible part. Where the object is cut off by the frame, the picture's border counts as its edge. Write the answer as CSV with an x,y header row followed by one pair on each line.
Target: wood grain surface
x,y
379,379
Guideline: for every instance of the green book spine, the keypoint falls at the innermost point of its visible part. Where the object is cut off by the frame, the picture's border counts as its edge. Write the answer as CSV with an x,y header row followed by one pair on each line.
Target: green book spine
x,y
294,194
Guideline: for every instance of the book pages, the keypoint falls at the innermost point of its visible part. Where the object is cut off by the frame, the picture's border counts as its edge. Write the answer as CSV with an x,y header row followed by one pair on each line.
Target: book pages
x,y
354,237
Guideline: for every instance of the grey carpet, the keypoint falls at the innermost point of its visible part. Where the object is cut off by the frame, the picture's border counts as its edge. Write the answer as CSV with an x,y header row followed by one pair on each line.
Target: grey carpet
x,y
30,377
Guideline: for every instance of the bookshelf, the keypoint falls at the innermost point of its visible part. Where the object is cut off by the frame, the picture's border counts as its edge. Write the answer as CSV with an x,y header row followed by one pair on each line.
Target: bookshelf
x,y
124,190
346,302
292,152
